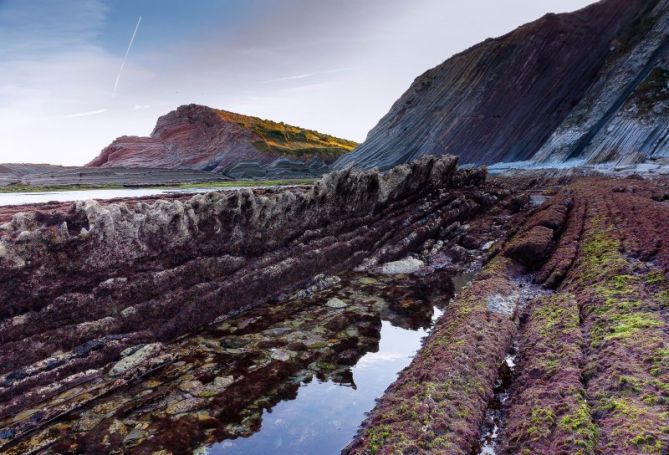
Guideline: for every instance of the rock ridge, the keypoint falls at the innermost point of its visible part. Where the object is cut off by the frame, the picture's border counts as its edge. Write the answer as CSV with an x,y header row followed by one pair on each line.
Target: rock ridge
x,y
81,286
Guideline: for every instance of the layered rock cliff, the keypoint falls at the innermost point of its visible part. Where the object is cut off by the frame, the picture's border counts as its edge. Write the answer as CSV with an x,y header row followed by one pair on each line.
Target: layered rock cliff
x,y
201,138
591,85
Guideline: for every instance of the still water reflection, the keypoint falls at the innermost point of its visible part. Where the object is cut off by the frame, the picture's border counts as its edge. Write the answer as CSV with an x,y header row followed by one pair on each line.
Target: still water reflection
x,y
325,416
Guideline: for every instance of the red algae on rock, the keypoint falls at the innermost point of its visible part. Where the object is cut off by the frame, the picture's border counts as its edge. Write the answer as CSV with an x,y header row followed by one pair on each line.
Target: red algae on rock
x,y
592,374
437,403
548,412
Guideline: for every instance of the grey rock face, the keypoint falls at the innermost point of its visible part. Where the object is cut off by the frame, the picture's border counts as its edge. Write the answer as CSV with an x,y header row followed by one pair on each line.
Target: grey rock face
x,y
589,85
336,303
45,175
281,168
624,116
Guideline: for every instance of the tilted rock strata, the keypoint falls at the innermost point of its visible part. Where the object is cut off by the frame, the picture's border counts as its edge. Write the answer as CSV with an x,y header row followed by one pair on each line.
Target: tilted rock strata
x,y
553,419
438,402
47,175
623,115
78,288
218,383
588,85
593,364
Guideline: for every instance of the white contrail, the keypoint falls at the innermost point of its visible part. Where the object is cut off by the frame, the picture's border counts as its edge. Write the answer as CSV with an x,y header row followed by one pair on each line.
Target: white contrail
x,y
132,38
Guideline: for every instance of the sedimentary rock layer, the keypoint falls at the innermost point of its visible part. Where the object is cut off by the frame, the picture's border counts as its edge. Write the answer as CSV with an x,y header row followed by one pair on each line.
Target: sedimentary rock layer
x,y
96,297
438,402
81,286
206,139
217,383
590,85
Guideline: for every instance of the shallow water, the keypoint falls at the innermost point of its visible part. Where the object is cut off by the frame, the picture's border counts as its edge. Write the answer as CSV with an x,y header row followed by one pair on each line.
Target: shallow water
x,y
325,415
538,199
293,377
82,195
495,414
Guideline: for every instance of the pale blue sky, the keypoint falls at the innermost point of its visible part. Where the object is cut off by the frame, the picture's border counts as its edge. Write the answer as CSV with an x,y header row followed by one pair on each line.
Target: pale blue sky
x,y
334,66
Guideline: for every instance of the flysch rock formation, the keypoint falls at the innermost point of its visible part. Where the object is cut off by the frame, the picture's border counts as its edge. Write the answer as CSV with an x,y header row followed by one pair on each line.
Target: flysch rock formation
x,y
86,286
589,86
152,325
206,139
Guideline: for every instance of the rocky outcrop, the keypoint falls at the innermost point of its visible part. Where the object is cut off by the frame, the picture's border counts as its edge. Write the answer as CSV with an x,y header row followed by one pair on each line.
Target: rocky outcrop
x,y
44,175
150,325
591,85
206,139
583,369
86,290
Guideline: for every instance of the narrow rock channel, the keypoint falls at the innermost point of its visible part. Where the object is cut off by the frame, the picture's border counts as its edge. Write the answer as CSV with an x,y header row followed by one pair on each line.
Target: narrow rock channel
x,y
326,412
494,415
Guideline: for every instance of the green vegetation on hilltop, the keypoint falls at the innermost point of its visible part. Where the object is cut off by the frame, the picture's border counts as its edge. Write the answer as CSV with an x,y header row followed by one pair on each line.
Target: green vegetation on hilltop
x,y
291,141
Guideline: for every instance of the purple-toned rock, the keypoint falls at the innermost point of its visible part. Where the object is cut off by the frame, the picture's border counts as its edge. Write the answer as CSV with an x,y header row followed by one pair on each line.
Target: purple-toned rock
x,y
94,288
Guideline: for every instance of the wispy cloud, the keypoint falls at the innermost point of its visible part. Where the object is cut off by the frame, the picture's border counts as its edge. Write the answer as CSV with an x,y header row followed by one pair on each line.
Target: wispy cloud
x,y
298,77
30,29
374,358
85,114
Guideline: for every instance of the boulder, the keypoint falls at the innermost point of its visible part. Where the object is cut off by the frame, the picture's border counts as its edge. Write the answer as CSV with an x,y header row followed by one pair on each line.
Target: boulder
x,y
533,247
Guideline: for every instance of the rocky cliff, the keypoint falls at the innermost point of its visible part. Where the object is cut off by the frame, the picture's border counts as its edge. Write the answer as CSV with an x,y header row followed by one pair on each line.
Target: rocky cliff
x,y
591,85
201,138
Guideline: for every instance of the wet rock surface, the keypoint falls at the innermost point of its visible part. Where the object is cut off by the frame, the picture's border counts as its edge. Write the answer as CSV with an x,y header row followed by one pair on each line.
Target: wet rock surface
x,y
137,350
215,385
588,346
93,292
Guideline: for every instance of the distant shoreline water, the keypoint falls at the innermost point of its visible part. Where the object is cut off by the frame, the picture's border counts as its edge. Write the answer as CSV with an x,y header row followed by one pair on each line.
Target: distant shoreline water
x,y
104,194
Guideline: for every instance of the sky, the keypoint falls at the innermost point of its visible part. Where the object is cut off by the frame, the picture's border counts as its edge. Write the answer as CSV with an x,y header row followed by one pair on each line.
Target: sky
x,y
73,78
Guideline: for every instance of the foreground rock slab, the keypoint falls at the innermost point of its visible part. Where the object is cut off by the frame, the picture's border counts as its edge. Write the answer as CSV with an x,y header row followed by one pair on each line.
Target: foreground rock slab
x,y
93,290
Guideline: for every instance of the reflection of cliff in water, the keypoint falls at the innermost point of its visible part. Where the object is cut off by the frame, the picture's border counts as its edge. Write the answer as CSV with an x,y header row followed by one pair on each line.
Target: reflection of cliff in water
x,y
219,382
